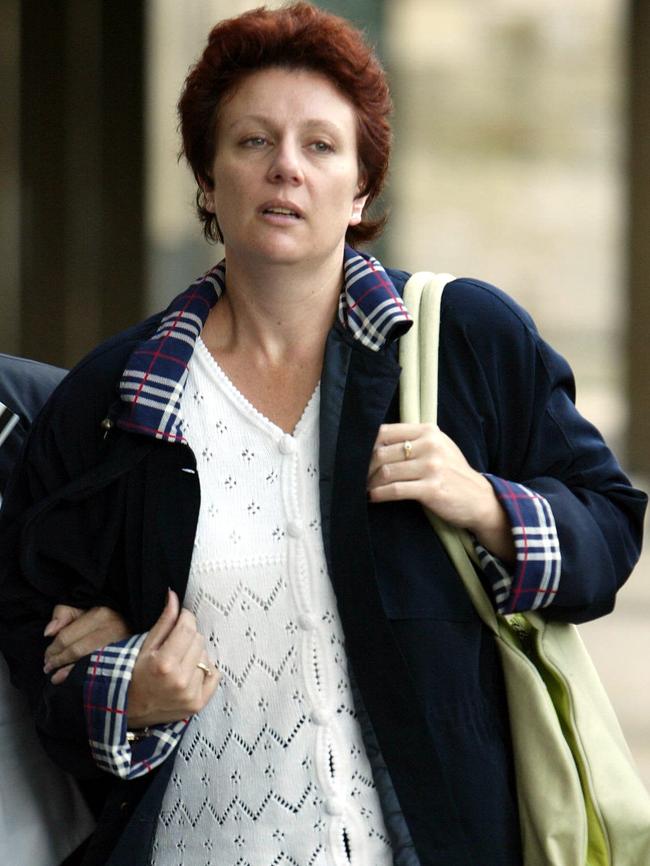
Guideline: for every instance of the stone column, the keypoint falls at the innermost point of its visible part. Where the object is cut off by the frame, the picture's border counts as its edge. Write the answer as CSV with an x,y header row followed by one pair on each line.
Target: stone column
x,y
9,174
82,190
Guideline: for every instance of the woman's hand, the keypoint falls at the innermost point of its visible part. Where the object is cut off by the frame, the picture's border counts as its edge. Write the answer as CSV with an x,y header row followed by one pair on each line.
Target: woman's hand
x,y
434,471
77,633
167,683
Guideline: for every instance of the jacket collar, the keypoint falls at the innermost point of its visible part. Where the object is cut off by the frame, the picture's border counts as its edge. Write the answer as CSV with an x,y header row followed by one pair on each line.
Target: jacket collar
x,y
151,387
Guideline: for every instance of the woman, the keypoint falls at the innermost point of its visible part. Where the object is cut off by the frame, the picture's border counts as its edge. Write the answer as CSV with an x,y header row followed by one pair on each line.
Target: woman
x,y
335,696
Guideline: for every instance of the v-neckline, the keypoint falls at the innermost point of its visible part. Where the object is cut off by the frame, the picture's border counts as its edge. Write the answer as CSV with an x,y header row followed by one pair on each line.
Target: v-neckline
x,y
205,357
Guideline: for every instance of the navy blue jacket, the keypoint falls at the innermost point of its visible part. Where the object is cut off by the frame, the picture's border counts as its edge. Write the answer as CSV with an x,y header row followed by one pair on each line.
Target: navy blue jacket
x,y
110,518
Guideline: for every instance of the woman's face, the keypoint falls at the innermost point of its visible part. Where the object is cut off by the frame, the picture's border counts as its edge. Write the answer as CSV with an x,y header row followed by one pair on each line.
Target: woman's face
x,y
285,171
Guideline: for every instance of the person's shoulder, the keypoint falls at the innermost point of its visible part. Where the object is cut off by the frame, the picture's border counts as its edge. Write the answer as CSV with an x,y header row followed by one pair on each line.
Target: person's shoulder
x,y
27,369
477,307
26,384
476,304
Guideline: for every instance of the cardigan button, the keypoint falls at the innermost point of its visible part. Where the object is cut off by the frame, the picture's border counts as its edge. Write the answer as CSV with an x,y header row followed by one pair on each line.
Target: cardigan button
x,y
295,528
107,424
321,716
287,444
307,621
334,806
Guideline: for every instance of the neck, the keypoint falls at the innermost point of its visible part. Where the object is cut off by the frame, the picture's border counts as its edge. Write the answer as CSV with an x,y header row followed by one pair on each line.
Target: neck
x,y
275,314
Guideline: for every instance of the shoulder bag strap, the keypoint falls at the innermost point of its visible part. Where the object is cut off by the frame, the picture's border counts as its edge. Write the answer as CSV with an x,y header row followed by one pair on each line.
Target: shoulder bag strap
x,y
419,404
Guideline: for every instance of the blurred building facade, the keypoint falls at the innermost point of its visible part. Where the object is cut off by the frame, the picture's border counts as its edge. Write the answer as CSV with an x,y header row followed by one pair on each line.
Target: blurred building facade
x,y
509,166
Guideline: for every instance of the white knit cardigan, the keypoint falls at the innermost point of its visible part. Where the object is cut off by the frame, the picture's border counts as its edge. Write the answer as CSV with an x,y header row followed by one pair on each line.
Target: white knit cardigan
x,y
273,771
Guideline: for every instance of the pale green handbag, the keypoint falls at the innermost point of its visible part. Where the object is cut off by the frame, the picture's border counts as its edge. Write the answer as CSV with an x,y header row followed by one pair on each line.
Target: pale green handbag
x,y
581,800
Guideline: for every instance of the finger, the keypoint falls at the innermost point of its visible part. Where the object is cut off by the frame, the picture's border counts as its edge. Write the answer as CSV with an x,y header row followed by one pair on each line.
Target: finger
x,y
211,679
397,490
389,434
190,663
180,638
61,675
164,624
389,473
62,615
386,454
188,676
380,456
87,643
88,622
210,683
85,622
195,651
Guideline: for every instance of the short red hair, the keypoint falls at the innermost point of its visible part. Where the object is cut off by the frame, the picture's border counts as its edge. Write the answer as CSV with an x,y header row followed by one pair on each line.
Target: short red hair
x,y
298,36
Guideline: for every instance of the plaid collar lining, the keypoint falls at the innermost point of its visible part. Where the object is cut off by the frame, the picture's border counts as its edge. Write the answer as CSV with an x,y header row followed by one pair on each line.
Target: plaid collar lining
x,y
152,383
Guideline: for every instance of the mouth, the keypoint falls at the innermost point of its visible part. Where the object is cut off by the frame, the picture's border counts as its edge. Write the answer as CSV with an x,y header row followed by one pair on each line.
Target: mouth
x,y
286,211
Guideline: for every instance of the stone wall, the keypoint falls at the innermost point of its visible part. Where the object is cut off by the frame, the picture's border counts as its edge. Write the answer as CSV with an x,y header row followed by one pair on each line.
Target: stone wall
x,y
508,165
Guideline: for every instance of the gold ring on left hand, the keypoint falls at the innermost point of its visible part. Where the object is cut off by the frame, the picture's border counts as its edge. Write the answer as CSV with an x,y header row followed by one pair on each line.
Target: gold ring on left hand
x,y
207,670
408,448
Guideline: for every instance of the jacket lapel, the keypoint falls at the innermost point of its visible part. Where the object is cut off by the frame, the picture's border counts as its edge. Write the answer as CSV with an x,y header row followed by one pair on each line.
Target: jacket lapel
x,y
357,388
338,351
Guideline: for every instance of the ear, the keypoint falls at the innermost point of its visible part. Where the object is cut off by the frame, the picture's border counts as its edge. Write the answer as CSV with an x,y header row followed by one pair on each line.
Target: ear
x,y
358,205
207,191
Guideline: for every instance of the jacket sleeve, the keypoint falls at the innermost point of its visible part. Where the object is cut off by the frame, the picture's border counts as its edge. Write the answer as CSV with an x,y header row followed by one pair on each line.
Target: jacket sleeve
x,y
508,399
24,611
63,449
598,514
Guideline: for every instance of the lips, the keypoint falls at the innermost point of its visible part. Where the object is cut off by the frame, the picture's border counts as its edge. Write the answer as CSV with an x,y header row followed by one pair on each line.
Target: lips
x,y
282,208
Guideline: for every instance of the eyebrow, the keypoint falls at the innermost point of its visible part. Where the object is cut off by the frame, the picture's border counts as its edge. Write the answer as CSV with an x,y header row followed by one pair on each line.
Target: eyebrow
x,y
310,123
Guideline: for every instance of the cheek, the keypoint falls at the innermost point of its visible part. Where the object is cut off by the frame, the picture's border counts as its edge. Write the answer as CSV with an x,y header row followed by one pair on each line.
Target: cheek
x,y
341,190
230,191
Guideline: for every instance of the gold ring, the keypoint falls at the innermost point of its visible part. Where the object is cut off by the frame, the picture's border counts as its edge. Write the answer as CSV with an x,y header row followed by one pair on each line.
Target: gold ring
x,y
207,670
408,448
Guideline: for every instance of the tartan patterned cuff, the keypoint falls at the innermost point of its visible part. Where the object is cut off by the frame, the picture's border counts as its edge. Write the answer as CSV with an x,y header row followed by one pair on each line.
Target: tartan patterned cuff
x,y
536,577
105,700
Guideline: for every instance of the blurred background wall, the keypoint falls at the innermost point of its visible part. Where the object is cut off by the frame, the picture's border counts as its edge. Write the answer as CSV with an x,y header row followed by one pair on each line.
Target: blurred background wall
x,y
522,156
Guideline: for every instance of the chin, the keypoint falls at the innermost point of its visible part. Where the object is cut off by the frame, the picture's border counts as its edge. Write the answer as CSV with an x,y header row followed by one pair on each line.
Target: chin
x,y
280,249
281,253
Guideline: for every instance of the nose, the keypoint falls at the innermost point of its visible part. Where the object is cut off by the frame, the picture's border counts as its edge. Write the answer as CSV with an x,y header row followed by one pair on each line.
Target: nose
x,y
286,165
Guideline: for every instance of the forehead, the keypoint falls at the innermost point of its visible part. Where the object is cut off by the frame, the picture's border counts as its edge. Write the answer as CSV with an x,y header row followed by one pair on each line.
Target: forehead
x,y
299,96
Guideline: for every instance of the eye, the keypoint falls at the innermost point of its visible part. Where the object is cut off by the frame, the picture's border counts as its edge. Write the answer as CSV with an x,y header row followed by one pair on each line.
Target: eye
x,y
322,147
255,141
